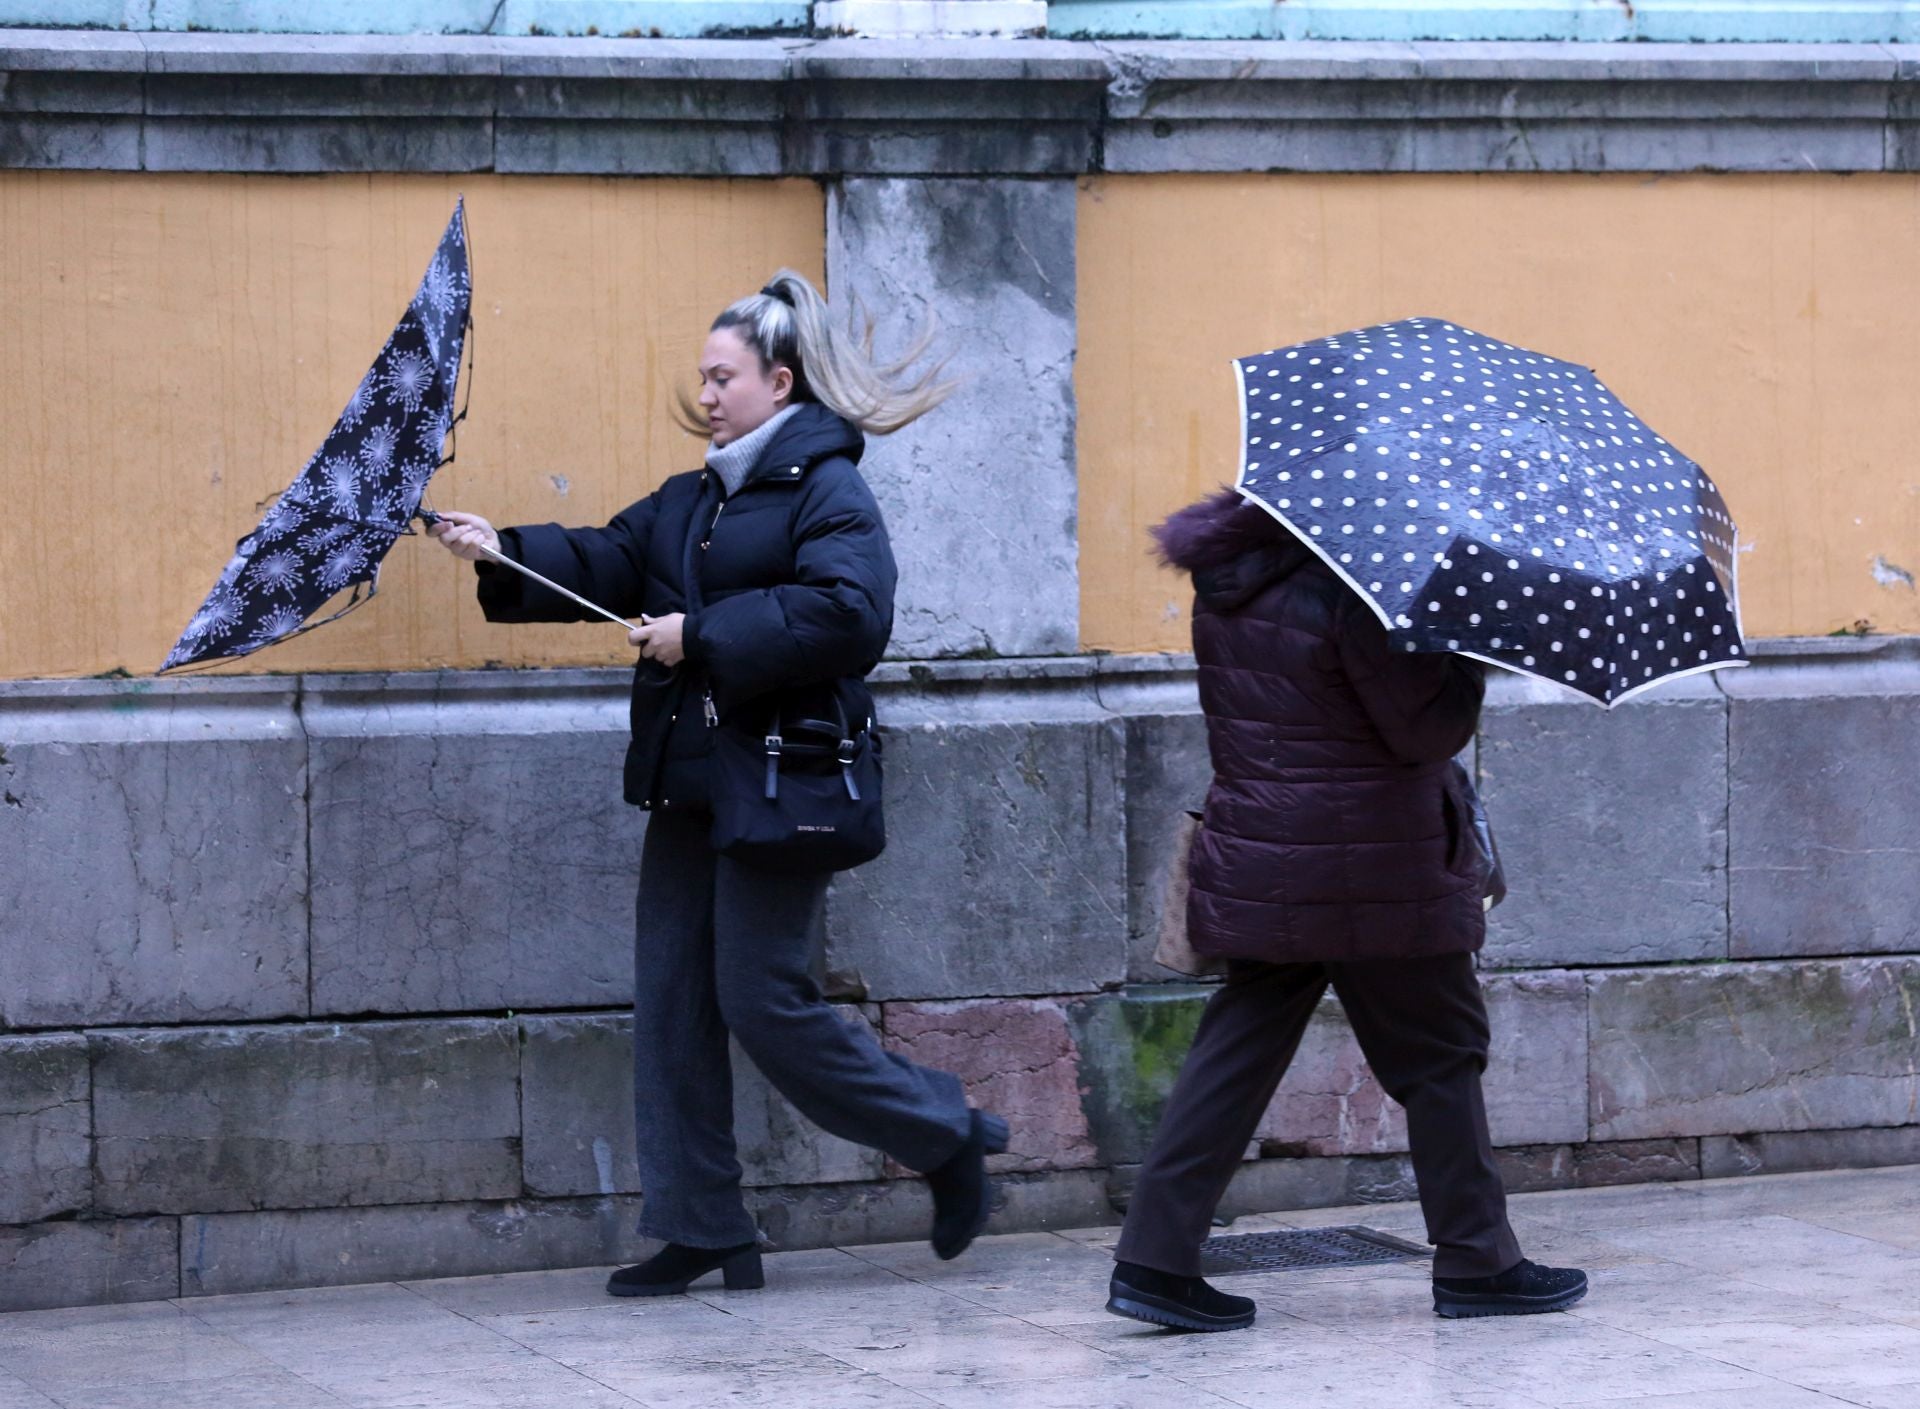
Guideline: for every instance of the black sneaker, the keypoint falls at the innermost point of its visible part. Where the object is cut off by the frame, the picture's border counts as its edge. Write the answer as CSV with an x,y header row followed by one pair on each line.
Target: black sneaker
x,y
1184,1303
1524,1289
676,1267
962,1199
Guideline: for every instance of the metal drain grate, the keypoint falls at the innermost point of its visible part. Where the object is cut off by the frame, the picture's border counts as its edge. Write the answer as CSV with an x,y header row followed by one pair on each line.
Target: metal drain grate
x,y
1297,1248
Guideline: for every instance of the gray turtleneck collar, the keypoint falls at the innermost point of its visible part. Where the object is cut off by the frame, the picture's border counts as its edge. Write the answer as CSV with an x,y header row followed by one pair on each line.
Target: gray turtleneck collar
x,y
735,460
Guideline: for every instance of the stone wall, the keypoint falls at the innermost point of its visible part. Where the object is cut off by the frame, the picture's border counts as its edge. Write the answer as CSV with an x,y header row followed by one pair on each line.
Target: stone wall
x,y
319,979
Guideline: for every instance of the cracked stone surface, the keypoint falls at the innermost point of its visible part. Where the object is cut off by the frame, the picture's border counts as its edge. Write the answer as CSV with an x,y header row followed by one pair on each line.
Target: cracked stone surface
x,y
156,862
986,481
1168,772
1826,857
1613,827
467,869
208,1119
1018,1058
1745,1047
577,1099
46,1127
1005,868
1132,1045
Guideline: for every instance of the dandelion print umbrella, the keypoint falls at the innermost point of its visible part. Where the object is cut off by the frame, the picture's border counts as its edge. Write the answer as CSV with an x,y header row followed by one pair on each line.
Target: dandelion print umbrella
x,y
1496,502
327,534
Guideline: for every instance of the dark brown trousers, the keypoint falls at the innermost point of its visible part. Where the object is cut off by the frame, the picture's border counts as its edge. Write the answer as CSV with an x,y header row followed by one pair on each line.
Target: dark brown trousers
x,y
1422,1026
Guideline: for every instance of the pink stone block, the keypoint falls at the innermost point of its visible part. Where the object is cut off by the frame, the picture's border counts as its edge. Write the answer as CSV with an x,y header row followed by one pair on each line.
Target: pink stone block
x,y
1017,1058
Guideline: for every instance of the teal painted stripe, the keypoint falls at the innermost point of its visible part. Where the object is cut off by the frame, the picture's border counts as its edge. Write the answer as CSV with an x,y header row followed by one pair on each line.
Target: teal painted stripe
x,y
1750,21
670,19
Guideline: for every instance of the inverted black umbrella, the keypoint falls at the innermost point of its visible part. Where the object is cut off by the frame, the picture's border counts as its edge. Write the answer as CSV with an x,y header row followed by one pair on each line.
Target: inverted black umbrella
x,y
329,531
1485,499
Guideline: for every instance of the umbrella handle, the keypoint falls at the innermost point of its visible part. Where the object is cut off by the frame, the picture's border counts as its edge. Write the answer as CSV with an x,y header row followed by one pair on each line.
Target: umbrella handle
x,y
553,586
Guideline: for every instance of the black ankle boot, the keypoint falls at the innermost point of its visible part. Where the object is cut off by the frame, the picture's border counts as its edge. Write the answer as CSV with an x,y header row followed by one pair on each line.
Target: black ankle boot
x,y
676,1267
961,1197
1184,1303
1522,1290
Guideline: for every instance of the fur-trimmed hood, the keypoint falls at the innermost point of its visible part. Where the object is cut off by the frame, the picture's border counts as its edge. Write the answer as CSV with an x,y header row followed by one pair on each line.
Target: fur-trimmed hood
x,y
1234,549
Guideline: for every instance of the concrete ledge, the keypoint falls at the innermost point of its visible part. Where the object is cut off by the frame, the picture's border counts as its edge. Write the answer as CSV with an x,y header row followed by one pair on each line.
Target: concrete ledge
x,y
302,103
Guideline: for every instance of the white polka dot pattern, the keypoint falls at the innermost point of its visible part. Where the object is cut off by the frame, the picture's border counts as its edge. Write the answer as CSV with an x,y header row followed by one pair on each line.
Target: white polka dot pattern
x,y
1490,500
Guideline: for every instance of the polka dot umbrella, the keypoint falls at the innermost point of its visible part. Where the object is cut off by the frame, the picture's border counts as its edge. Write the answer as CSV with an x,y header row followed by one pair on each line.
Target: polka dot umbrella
x,y
1496,502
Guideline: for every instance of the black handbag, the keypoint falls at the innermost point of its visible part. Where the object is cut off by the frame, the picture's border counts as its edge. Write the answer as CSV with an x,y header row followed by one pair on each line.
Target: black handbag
x,y
805,797
1483,853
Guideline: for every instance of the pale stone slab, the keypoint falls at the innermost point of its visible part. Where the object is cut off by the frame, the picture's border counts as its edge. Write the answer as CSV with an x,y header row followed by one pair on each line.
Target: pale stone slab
x,y
1826,808
195,1120
1612,827
577,1097
74,1263
46,1127
155,840
1005,869
244,1252
471,851
993,261
1330,1102
1815,1045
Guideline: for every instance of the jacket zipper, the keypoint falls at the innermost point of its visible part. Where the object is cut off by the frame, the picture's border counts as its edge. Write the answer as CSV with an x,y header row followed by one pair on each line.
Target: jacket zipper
x,y
712,714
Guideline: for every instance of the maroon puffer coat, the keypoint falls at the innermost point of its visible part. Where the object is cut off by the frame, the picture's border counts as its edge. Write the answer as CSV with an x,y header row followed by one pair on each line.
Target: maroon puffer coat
x,y
1333,829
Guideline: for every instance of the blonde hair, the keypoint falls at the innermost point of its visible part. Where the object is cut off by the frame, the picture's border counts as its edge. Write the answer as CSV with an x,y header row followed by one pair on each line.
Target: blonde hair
x,y
788,324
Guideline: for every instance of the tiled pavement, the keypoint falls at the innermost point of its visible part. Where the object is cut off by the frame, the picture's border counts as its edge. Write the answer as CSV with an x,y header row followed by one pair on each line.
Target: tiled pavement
x,y
1778,1293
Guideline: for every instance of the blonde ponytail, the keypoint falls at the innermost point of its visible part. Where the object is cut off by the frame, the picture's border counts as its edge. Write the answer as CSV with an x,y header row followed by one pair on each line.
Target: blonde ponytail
x,y
788,324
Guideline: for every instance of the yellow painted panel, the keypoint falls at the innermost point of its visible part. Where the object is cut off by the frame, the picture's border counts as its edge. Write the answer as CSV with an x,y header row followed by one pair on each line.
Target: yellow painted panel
x,y
175,347
1767,325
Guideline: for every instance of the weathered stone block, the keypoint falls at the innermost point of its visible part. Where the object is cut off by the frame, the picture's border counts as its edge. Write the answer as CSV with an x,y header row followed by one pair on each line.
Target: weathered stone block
x,y
368,142
778,1145
75,1263
577,1098
1635,1162
996,260
470,847
1275,1185
1826,808
899,1210
624,147
1018,1059
156,852
46,1127
1814,1045
1536,1081
1527,1169
212,1119
1795,1151
1613,827
1131,1047
1168,773
1005,871
329,1247
576,1102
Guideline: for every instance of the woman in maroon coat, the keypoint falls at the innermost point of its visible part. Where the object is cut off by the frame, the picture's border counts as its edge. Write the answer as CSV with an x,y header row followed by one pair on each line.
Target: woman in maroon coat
x,y
1334,850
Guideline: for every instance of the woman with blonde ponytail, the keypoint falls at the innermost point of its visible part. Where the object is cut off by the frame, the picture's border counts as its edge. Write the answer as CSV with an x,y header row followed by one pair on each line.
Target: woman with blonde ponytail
x,y
764,585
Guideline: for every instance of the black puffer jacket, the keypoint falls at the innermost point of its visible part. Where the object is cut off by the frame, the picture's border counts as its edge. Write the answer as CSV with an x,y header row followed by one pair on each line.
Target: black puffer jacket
x,y
797,580
1333,830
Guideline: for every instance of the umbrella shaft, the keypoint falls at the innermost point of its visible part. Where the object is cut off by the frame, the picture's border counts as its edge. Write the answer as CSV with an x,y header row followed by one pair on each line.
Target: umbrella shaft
x,y
553,586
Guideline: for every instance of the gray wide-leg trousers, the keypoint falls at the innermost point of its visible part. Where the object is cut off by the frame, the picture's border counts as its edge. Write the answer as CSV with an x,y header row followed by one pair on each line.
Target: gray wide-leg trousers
x,y
720,948
1422,1026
